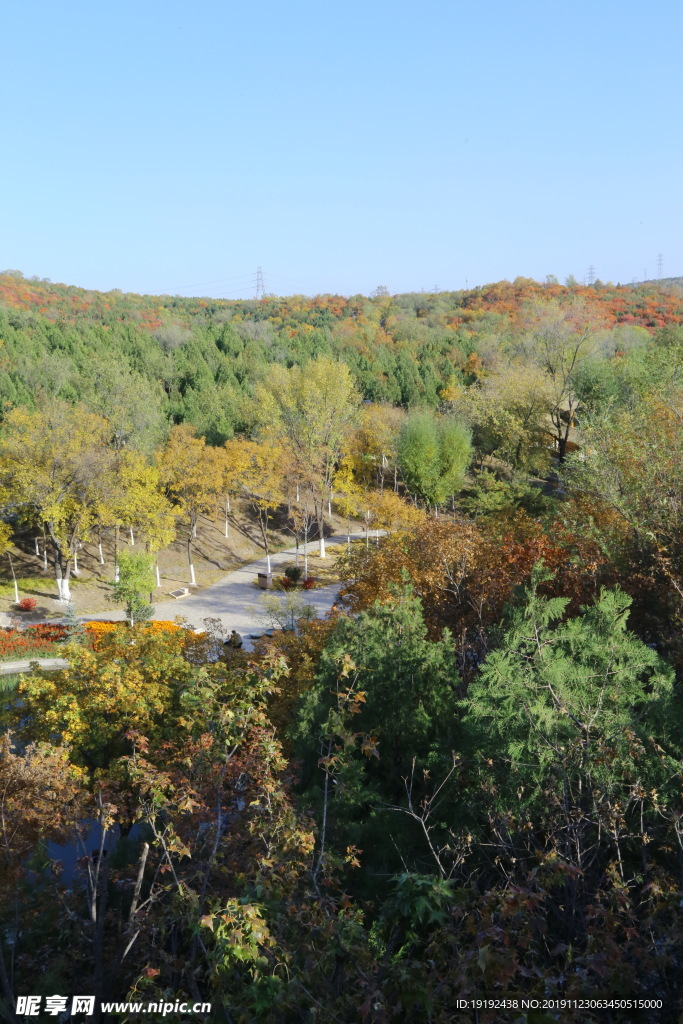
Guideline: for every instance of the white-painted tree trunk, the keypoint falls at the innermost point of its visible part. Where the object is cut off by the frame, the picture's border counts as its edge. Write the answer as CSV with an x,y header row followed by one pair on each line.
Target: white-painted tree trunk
x,y
132,536
227,513
268,562
16,593
158,575
296,557
117,574
298,499
75,568
45,566
322,546
37,548
194,529
63,589
99,548
193,581
329,503
306,558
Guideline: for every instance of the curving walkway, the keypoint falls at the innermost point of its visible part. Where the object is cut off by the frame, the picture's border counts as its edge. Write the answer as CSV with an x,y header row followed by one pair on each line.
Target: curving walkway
x,y
233,600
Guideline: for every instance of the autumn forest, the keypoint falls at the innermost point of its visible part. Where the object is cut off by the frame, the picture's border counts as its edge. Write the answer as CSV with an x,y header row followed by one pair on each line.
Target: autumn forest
x,y
465,779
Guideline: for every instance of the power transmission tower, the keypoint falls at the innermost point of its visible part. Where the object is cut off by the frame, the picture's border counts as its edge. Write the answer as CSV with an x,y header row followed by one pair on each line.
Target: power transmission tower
x,y
660,266
260,284
591,274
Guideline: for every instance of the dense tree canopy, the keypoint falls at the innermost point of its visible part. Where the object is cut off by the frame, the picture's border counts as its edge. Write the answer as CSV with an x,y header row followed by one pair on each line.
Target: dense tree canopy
x,y
467,777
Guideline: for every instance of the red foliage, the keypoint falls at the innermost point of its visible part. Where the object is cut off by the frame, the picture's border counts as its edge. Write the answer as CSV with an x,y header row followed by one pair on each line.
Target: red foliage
x,y
27,604
308,583
33,642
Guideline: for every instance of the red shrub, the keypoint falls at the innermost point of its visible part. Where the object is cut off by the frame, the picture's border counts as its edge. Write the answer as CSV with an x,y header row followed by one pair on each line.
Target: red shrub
x,y
308,583
27,604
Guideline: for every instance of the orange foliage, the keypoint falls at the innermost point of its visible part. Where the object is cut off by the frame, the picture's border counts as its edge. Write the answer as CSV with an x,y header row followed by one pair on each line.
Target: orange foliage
x,y
465,577
100,628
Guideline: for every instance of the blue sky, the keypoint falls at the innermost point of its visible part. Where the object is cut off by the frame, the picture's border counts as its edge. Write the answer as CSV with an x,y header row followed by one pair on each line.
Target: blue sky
x,y
154,146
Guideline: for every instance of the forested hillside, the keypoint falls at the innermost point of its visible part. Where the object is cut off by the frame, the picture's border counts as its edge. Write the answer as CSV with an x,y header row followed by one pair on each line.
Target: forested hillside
x,y
466,779
198,360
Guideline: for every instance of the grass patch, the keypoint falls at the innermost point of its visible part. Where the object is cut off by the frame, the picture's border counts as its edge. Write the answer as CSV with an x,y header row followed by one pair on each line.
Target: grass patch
x,y
9,683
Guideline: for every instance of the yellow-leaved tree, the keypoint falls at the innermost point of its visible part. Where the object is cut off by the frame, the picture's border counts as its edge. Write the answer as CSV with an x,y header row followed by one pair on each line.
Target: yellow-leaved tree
x,y
192,473
56,466
263,482
138,502
235,465
310,409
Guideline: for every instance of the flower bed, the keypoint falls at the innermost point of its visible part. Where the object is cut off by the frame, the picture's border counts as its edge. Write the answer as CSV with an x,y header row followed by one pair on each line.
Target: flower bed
x,y
97,629
33,642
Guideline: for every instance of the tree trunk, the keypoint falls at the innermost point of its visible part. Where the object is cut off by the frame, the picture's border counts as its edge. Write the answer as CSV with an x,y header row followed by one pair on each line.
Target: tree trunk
x,y
62,571
227,513
306,551
99,544
37,548
158,576
132,536
16,588
45,566
321,530
193,582
263,523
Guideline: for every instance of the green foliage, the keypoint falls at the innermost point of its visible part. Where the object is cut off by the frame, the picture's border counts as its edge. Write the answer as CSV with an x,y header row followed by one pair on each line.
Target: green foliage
x,y
433,455
136,580
76,631
571,703
408,680
494,497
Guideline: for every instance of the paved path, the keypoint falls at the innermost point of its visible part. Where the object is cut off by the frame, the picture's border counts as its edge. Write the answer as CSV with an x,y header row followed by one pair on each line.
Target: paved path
x,y
8,668
234,600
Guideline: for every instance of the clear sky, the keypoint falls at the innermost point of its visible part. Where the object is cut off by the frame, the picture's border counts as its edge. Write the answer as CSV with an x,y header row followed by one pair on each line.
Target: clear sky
x,y
164,146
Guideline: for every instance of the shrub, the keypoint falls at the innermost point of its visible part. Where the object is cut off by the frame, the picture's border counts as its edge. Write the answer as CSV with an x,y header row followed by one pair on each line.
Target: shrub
x,y
308,583
27,604
293,573
285,583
